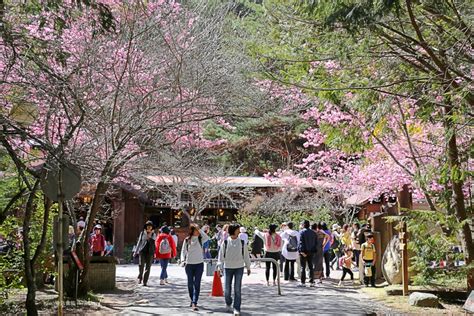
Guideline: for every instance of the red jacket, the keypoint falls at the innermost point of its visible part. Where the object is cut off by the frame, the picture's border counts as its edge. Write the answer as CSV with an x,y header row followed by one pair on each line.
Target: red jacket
x,y
170,255
98,243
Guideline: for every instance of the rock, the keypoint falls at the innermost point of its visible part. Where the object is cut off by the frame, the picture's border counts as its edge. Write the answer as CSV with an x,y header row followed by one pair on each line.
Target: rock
x,y
424,300
392,262
469,305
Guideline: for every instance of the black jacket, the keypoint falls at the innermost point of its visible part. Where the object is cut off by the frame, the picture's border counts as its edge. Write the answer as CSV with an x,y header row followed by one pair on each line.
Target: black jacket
x,y
308,241
141,242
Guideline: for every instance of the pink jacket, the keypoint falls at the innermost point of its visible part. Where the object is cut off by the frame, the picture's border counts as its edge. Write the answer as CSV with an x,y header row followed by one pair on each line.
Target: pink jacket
x,y
273,242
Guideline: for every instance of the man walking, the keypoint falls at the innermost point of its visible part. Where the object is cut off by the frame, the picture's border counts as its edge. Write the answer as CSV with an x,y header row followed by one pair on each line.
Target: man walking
x,y
233,257
145,248
307,249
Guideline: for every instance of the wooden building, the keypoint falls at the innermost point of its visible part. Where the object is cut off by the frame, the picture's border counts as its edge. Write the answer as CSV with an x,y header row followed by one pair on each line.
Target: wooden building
x,y
132,208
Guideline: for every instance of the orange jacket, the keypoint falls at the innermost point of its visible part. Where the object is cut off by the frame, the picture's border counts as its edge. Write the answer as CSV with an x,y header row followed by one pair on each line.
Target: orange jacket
x,y
170,255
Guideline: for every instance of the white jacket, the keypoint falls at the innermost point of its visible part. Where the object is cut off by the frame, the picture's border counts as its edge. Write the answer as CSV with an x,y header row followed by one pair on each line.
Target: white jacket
x,y
191,252
232,256
286,239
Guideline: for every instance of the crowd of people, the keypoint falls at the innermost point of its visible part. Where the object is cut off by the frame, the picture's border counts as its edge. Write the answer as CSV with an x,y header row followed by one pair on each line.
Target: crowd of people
x,y
308,253
99,246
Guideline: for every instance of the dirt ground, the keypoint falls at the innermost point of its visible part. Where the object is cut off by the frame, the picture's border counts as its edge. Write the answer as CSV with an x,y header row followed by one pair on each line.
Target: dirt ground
x,y
400,303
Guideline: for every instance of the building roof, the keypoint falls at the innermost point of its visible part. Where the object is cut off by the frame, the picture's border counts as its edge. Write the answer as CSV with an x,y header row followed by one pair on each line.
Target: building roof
x,y
359,199
241,182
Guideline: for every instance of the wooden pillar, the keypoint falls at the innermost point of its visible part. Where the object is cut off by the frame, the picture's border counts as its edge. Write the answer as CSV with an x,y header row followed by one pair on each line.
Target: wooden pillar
x,y
405,200
119,227
405,259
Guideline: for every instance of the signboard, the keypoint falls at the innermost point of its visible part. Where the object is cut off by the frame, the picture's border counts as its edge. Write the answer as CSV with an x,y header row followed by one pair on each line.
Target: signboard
x,y
70,179
469,305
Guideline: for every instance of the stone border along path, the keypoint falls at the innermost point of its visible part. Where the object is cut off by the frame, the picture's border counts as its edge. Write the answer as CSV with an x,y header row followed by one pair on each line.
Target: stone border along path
x,y
257,299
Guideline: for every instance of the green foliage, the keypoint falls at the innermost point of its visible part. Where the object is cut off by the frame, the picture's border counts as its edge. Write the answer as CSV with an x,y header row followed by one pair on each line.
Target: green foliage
x,y
348,13
261,145
127,252
432,236
12,264
250,220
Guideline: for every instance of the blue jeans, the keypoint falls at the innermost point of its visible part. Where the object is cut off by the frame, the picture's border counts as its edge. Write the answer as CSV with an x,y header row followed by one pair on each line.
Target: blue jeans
x,y
164,266
194,273
207,253
238,275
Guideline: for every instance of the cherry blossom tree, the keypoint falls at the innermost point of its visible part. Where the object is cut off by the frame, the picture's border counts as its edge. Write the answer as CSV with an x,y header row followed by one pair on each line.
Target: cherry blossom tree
x,y
106,99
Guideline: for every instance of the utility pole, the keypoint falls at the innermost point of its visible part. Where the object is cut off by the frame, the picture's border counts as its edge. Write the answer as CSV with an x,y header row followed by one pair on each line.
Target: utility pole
x,y
60,181
404,247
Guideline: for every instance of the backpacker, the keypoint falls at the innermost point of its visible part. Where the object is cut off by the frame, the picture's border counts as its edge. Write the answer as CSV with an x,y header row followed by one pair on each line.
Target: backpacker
x,y
292,245
165,247
225,247
335,242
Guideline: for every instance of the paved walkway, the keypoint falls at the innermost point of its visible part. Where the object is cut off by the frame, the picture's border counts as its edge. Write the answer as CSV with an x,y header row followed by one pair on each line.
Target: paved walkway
x,y
258,299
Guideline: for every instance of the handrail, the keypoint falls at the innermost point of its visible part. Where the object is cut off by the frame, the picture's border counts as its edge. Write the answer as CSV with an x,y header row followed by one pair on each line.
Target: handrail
x,y
261,260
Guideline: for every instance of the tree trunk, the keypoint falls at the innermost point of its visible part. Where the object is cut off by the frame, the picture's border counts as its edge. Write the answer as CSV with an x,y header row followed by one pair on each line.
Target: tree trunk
x,y
83,248
458,196
30,277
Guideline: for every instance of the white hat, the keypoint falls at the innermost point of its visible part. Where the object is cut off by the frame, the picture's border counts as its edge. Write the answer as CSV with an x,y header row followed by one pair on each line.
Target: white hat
x,y
81,224
335,226
243,230
97,226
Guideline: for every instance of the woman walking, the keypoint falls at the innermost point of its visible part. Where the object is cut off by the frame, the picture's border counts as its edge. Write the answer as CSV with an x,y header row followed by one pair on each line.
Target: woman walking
x,y
145,248
165,251
191,256
233,257
272,247
206,245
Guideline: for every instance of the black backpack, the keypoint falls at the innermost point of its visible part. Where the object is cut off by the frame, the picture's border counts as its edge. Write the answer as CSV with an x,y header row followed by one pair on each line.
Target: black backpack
x,y
335,242
292,245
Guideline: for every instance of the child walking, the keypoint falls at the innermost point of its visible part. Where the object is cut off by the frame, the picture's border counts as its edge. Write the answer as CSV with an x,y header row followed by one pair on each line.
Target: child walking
x,y
346,263
369,256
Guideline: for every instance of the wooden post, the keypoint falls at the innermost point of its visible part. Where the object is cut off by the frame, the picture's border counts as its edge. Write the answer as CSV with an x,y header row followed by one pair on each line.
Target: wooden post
x,y
404,246
60,243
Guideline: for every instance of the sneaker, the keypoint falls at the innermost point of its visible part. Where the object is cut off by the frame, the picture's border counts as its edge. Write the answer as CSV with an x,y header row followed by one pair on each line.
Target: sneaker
x,y
268,283
139,280
162,282
339,284
228,309
274,283
236,312
301,285
195,308
166,281
311,284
